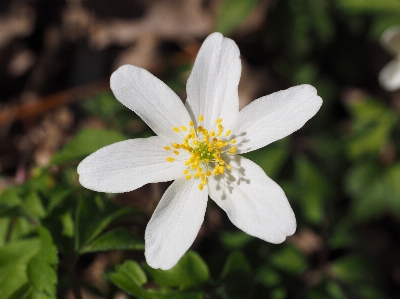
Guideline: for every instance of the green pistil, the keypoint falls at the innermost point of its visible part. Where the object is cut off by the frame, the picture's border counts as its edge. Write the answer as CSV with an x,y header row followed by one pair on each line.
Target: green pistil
x,y
202,149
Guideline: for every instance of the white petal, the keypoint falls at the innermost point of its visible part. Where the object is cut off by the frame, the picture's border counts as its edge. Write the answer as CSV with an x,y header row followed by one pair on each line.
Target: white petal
x,y
390,40
159,107
275,116
212,88
253,202
127,165
175,223
389,77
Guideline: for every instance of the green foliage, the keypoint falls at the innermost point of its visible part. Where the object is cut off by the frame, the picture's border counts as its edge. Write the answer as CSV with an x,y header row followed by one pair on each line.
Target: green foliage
x,y
232,13
340,172
92,217
182,281
86,142
370,6
41,269
191,271
372,125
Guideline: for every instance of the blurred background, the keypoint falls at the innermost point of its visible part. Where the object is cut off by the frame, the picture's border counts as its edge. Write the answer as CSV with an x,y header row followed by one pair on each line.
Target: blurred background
x,y
340,172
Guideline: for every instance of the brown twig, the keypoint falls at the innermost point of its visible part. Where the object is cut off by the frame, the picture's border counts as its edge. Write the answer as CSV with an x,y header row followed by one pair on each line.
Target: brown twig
x,y
18,112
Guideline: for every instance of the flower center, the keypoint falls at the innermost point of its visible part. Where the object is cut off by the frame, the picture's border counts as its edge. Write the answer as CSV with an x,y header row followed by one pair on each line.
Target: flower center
x,y
207,151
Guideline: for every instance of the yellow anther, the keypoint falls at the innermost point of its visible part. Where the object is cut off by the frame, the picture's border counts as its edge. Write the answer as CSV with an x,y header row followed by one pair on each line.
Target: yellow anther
x,y
170,159
212,134
210,149
176,129
228,133
228,166
186,171
187,162
218,120
221,169
176,152
201,186
200,169
196,175
176,145
201,117
232,150
233,141
208,173
191,123
188,177
185,129
167,148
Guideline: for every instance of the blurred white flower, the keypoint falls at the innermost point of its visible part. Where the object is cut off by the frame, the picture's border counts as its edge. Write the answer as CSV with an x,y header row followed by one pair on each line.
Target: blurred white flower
x,y
389,77
197,146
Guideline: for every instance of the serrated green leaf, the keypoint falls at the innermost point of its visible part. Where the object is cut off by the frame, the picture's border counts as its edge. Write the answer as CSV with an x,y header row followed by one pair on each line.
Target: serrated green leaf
x,y
92,217
116,239
13,263
130,277
41,269
190,271
86,142
232,13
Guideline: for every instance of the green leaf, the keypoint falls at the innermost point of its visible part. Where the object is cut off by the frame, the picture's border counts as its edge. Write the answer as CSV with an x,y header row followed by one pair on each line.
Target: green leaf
x,y
190,271
375,190
312,190
232,13
41,268
92,217
372,125
86,142
353,270
34,204
13,264
289,259
237,275
235,240
130,278
116,239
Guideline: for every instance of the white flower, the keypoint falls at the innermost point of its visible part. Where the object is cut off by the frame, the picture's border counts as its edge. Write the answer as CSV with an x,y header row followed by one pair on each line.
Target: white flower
x,y
197,146
389,77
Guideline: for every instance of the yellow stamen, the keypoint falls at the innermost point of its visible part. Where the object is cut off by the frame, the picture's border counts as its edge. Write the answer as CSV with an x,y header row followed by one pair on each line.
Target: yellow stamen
x,y
176,152
176,129
201,186
201,117
170,159
167,148
228,133
185,129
